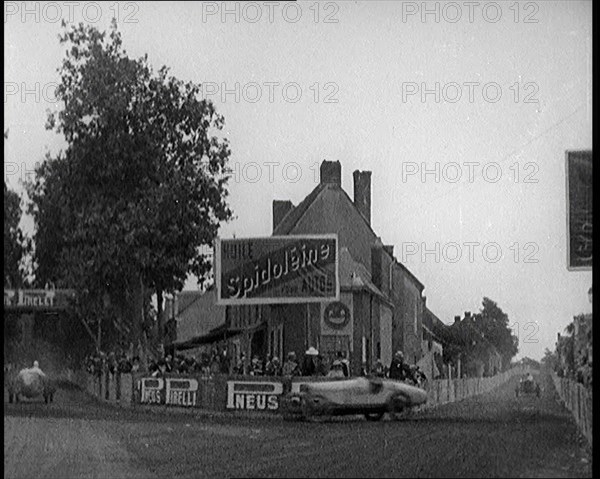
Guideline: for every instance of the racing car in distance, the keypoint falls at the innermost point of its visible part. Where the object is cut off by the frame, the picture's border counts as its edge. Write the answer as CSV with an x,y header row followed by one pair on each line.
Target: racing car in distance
x,y
527,386
370,396
31,383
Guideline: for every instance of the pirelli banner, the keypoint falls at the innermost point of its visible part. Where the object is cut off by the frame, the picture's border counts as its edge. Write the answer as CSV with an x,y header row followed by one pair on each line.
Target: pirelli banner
x,y
176,391
277,269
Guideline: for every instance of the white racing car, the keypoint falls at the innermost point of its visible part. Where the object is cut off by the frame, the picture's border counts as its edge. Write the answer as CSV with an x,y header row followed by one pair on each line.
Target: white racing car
x,y
371,396
31,383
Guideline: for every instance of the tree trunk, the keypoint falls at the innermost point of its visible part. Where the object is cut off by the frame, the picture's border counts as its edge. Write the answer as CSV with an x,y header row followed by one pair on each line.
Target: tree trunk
x,y
137,315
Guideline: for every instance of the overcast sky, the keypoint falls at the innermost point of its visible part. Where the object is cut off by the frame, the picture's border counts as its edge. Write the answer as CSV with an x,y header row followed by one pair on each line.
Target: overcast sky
x,y
495,94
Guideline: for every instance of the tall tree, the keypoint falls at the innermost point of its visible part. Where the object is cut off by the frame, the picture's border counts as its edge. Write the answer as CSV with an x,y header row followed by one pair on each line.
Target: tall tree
x,y
493,324
15,242
142,184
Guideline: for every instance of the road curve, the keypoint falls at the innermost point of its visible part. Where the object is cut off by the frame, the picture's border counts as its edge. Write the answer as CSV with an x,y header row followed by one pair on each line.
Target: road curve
x,y
492,435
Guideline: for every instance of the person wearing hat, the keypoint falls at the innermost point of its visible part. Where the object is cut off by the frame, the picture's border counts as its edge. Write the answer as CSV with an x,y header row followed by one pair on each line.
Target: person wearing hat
x,y
290,367
399,370
309,364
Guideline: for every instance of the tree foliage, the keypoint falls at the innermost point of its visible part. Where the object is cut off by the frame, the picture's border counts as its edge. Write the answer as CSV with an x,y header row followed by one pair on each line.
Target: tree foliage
x,y
493,323
15,242
142,184
472,338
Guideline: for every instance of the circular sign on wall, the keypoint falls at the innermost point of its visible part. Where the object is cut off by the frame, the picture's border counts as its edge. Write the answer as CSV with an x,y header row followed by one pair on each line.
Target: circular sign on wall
x,y
336,315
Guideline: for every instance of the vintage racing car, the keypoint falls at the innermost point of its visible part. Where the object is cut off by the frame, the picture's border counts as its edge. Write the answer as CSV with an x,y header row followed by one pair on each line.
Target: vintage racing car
x,y
31,383
527,386
370,396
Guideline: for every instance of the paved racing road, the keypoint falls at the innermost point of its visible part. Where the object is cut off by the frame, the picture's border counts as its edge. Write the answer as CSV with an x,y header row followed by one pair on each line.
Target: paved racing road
x,y
493,435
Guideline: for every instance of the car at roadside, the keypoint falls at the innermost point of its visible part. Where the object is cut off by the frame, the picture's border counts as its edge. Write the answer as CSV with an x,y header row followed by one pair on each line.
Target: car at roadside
x,y
372,397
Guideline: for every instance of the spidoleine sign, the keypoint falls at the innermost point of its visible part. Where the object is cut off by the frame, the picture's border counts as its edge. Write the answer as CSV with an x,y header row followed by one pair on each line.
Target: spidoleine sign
x,y
277,269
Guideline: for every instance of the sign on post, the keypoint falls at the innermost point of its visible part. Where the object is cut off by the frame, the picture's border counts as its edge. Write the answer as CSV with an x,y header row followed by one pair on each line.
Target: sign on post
x,y
579,210
277,269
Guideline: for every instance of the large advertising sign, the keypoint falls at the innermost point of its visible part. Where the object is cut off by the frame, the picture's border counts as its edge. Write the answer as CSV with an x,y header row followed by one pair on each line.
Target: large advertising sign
x,y
579,209
252,396
277,269
173,391
35,299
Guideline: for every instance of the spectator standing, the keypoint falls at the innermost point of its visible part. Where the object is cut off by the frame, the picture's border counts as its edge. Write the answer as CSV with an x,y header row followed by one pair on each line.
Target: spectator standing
x,y
256,367
378,369
309,364
345,363
399,370
290,367
273,367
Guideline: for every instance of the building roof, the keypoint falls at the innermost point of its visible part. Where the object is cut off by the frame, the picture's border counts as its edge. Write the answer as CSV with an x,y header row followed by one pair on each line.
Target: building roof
x,y
354,276
291,220
200,316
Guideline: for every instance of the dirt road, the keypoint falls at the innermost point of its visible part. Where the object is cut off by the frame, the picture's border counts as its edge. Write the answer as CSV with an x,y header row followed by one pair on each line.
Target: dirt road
x,y
493,435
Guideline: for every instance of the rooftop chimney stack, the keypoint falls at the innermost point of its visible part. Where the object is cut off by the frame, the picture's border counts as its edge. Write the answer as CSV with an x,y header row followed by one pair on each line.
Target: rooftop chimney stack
x,y
331,172
456,319
362,193
280,209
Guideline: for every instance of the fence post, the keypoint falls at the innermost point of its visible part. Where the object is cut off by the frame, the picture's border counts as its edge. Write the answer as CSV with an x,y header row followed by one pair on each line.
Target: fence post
x,y
118,386
107,385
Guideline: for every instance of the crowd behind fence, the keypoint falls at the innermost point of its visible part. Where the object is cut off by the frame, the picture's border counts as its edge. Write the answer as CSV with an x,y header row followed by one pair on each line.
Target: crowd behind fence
x,y
116,384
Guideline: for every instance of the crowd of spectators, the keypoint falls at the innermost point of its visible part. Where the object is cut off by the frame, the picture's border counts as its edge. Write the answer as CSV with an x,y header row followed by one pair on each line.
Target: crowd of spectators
x,y
217,361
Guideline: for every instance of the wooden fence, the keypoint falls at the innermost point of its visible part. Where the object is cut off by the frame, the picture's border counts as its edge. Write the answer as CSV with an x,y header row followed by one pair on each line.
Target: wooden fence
x,y
577,399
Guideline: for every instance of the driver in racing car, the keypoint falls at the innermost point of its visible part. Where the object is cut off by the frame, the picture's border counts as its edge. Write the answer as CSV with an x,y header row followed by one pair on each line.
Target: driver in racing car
x,y
36,369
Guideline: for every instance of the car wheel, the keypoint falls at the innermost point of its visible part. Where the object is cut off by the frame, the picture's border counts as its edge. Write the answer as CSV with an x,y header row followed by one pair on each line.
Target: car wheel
x,y
374,416
396,405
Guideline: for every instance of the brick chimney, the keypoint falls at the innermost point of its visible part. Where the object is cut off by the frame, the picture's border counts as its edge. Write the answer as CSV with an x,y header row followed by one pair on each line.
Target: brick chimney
x,y
331,172
280,209
362,193
467,314
456,319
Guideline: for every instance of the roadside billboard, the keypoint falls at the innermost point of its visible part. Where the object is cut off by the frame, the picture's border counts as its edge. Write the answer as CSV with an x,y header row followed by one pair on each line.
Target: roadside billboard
x,y
579,210
277,269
